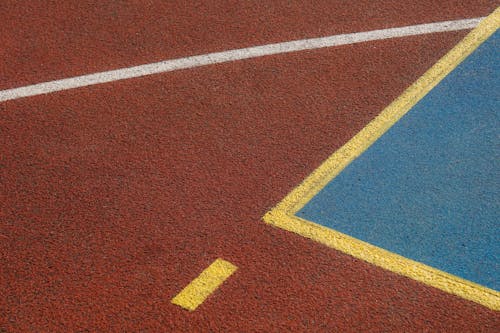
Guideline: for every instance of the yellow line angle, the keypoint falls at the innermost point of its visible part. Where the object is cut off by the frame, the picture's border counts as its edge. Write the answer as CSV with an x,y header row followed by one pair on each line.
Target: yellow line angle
x,y
283,215
204,285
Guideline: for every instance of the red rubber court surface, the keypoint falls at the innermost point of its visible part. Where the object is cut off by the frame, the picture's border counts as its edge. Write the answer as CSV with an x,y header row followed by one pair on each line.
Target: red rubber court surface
x,y
46,40
115,196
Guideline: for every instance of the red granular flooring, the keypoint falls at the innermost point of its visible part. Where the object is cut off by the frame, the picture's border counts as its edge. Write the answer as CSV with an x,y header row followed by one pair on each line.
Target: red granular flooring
x,y
44,40
114,197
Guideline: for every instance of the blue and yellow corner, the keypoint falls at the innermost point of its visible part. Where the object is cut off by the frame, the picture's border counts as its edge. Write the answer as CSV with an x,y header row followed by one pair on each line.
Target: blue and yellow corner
x,y
416,192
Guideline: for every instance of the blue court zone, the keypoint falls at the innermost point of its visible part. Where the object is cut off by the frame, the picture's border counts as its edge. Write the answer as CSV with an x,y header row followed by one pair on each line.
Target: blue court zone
x,y
428,189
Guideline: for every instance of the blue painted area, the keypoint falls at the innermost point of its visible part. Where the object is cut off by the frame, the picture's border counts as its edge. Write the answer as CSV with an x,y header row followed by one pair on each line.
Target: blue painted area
x,y
429,188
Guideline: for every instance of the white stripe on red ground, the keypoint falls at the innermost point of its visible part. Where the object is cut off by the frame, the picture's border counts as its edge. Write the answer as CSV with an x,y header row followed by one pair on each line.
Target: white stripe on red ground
x,y
232,55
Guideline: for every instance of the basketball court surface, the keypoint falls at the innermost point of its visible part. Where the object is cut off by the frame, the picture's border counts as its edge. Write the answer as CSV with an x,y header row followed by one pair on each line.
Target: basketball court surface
x,y
277,166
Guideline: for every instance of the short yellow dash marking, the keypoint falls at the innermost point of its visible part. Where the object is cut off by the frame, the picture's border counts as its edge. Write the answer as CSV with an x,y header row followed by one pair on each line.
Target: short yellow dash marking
x,y
205,284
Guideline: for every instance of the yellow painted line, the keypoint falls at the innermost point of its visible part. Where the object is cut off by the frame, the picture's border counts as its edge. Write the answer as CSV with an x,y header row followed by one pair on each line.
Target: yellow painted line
x,y
204,285
283,215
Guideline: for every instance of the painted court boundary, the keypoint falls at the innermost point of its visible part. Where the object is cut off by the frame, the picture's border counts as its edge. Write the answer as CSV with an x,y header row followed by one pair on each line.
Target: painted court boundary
x,y
283,215
198,290
232,55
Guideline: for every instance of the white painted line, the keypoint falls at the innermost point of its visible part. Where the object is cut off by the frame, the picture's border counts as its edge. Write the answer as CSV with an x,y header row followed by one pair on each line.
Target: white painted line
x,y
232,55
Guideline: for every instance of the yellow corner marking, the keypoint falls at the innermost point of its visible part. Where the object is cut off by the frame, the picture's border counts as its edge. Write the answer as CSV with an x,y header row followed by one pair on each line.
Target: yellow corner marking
x,y
205,284
283,215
